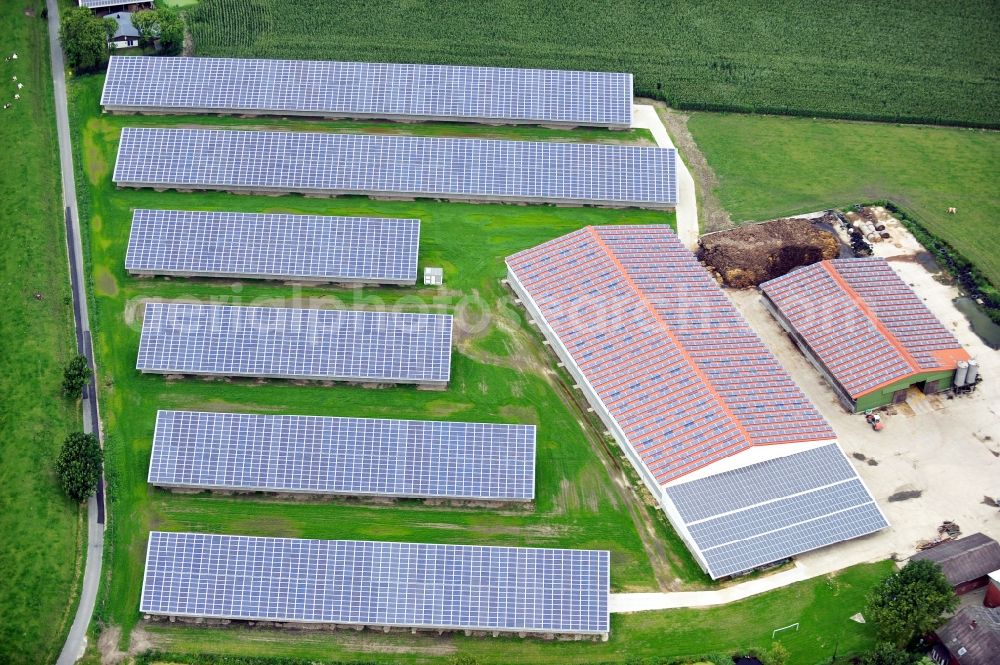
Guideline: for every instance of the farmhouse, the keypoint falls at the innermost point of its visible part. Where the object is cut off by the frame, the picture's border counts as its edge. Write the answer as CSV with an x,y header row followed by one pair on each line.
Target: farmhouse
x,y
971,637
867,332
126,35
966,562
745,467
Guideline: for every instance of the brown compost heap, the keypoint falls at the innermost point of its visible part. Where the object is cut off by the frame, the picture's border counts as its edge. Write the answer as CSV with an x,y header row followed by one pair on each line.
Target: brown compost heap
x,y
751,254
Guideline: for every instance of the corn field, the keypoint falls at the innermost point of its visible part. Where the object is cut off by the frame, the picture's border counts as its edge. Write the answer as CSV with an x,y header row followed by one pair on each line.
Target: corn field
x,y
933,61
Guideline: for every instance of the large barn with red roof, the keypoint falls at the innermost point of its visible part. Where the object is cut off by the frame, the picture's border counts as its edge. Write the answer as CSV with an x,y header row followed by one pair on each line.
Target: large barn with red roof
x,y
865,329
745,467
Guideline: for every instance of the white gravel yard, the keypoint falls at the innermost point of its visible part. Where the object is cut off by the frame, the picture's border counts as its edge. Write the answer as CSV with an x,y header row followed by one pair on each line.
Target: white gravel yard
x,y
946,449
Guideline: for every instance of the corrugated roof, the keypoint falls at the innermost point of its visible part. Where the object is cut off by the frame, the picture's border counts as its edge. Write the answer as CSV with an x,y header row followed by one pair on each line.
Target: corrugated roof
x,y
972,636
864,323
677,367
964,559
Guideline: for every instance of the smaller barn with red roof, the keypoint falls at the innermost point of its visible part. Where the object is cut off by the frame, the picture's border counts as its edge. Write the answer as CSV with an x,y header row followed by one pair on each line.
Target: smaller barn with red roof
x,y
867,331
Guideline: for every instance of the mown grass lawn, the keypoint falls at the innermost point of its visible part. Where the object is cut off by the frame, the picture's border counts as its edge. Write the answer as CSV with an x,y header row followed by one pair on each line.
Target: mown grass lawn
x,y
769,166
41,531
500,374
822,607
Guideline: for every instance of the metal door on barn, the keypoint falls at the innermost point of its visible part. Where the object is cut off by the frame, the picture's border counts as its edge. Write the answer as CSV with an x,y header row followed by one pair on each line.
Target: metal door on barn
x,y
899,396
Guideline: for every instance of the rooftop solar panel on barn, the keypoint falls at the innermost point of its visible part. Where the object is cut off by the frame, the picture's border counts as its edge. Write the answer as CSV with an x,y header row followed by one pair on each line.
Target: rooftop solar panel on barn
x,y
273,246
867,327
405,166
449,587
775,509
672,360
334,345
682,381
349,456
368,90
100,4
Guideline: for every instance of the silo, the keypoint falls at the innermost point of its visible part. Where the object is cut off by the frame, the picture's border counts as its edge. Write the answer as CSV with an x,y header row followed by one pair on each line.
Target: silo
x,y
973,372
961,374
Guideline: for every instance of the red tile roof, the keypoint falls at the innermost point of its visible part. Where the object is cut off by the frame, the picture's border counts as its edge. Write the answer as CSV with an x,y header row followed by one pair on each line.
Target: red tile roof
x,y
675,364
863,322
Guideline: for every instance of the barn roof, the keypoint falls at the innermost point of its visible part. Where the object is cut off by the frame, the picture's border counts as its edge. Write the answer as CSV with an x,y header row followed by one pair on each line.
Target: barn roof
x,y
964,559
678,368
866,326
972,636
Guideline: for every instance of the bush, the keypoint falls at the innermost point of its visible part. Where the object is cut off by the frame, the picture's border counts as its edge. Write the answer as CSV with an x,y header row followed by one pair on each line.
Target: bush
x,y
76,376
886,654
79,465
85,38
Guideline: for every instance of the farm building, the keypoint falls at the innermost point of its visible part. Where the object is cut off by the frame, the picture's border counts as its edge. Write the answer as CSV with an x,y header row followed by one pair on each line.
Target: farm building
x,y
992,598
971,637
744,466
104,7
387,585
398,167
866,331
966,562
364,90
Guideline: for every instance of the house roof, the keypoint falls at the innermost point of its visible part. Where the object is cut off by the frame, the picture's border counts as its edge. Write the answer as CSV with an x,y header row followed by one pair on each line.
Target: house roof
x,y
125,26
972,636
678,368
863,322
964,559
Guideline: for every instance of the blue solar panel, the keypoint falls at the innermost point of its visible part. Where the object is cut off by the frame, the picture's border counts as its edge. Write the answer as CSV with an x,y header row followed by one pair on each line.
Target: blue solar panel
x,y
377,583
350,456
407,166
273,246
367,90
335,345
761,513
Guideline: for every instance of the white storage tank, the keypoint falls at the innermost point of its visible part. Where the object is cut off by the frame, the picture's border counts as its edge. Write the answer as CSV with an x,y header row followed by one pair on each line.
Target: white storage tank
x,y
961,373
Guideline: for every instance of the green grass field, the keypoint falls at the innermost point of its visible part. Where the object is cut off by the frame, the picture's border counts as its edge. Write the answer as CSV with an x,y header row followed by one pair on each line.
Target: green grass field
x,y
41,544
935,62
821,606
769,166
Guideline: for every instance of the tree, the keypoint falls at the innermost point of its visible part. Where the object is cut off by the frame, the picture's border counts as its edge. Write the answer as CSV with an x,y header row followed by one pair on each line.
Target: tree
x,y
85,39
909,603
164,25
75,377
79,465
887,654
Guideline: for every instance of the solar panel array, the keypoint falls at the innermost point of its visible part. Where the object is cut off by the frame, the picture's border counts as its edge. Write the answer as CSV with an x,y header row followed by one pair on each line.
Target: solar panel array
x,y
898,308
275,246
772,510
471,169
377,583
672,361
862,321
351,456
372,90
336,345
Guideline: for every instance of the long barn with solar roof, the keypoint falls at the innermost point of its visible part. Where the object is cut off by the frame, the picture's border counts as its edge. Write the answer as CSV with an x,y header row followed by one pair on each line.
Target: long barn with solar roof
x,y
745,467
866,331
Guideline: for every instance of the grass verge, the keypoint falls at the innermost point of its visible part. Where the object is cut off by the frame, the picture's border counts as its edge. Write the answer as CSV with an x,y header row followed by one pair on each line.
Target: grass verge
x,y
44,533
